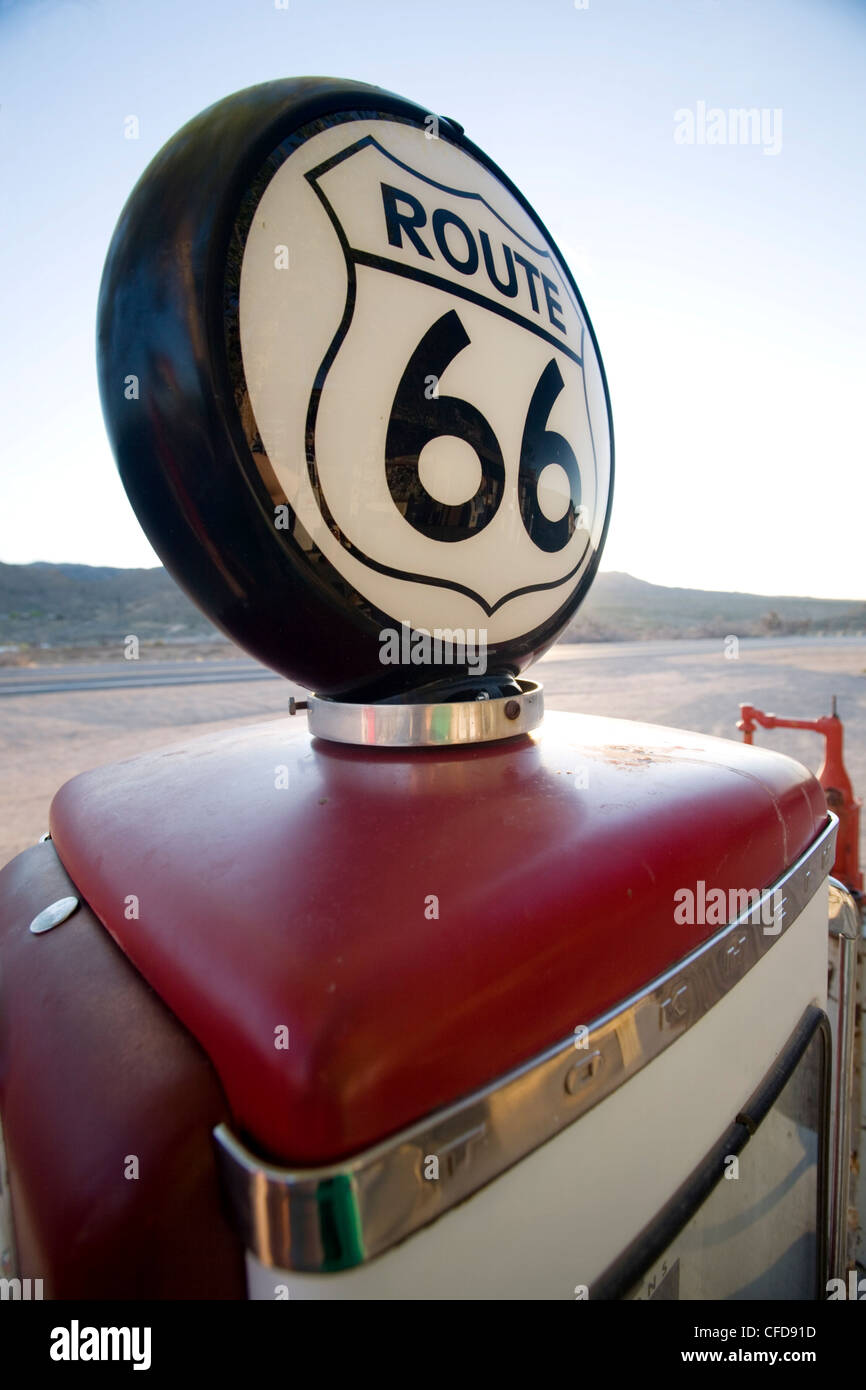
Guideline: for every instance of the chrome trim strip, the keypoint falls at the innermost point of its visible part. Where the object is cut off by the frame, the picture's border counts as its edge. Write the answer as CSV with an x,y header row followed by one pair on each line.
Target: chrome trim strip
x,y
332,1218
427,726
845,924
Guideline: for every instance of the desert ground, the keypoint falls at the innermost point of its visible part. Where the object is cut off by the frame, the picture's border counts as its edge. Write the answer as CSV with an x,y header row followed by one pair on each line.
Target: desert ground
x,y
47,736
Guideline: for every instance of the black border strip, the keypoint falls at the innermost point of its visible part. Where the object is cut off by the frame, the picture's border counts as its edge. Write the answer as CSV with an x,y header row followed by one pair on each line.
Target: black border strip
x,y
638,1257
441,282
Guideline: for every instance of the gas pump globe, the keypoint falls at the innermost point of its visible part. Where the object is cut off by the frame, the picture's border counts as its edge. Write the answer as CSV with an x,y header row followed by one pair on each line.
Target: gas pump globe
x,y
368,380
425,994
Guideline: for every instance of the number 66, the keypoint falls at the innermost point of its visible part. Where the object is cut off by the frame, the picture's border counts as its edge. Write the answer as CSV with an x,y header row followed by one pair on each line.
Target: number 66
x,y
417,418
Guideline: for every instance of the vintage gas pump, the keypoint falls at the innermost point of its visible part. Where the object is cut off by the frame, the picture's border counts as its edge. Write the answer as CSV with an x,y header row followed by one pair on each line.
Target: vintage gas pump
x,y
416,993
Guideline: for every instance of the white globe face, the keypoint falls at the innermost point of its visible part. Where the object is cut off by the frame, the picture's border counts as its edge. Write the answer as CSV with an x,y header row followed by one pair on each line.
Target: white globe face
x,y
423,381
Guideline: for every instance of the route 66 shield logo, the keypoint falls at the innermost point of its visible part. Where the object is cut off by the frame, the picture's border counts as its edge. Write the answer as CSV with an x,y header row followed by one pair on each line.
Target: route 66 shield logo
x,y
427,399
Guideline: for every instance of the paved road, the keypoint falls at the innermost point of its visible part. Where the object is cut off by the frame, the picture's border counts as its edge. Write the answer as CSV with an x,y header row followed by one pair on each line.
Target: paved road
x,y
128,675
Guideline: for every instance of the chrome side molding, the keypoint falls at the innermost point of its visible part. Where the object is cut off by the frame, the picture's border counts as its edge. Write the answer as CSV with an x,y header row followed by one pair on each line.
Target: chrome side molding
x,y
845,926
8,1252
335,1217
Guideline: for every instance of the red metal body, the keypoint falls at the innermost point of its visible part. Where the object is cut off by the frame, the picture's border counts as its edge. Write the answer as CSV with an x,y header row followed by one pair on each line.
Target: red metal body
x,y
833,778
95,1072
289,883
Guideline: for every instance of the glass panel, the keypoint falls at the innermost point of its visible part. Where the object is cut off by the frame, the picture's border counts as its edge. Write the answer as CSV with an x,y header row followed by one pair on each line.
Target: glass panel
x,y
756,1235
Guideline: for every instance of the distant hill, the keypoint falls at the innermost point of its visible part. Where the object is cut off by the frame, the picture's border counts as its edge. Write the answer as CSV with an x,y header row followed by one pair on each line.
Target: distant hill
x,y
47,606
74,605
620,607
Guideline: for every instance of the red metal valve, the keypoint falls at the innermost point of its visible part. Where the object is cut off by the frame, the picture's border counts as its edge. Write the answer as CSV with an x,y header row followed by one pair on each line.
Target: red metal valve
x,y
833,778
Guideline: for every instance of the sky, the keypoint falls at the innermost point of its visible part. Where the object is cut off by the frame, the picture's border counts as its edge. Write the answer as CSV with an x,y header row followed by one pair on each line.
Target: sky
x,y
725,281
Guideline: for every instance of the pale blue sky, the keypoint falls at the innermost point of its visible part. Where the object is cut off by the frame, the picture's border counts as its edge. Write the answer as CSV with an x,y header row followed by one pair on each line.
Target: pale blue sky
x,y
725,284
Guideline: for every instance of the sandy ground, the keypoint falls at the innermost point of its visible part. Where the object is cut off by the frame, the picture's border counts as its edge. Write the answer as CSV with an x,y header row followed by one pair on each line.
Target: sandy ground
x,y
46,739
